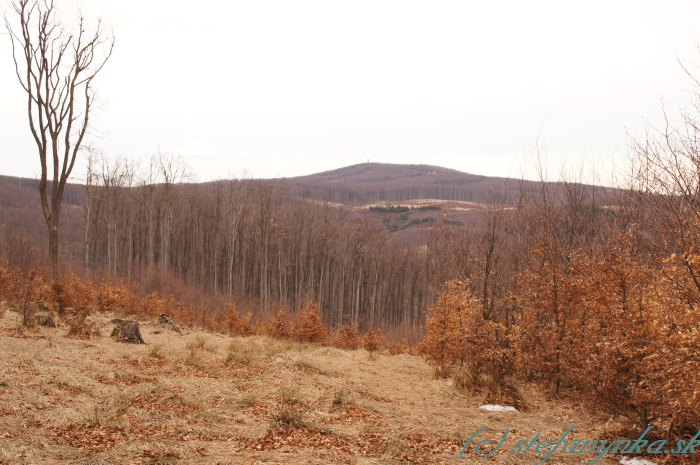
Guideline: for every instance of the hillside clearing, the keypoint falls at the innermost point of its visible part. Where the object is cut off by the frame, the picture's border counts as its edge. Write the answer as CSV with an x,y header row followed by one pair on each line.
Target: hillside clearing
x,y
207,398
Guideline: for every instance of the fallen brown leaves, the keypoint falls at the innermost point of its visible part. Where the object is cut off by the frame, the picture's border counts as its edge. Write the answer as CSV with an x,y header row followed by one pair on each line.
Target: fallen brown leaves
x,y
121,379
419,448
139,431
259,410
6,412
300,437
93,438
18,333
239,371
372,443
143,363
172,404
355,414
161,455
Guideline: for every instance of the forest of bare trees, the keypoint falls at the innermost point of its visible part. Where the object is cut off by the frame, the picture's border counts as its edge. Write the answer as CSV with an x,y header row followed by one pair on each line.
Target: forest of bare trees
x,y
248,242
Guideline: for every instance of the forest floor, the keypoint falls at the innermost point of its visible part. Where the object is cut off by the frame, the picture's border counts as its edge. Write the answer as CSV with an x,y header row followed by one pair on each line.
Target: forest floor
x,y
200,397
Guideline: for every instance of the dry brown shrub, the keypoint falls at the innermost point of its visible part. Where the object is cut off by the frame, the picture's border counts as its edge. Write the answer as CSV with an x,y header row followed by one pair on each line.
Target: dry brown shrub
x,y
397,347
346,336
154,304
238,324
77,294
24,290
79,327
618,331
460,341
309,327
8,281
118,297
673,368
373,341
278,325
505,393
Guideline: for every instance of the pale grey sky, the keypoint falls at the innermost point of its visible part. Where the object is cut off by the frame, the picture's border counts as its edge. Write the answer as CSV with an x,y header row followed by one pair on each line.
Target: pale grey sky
x,y
283,88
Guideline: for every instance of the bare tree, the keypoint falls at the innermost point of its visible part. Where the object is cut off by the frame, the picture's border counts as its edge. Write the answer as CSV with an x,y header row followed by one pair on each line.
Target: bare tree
x,y
56,70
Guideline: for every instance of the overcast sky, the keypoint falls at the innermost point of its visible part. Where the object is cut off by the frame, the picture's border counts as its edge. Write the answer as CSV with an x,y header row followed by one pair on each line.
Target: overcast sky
x,y
283,88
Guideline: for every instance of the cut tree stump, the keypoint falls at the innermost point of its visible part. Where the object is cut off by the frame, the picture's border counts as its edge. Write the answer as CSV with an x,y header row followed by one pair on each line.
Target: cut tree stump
x,y
45,320
127,331
167,321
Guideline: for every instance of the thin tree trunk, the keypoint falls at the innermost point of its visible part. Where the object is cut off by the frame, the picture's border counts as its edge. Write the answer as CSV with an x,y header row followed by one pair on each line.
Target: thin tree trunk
x,y
53,251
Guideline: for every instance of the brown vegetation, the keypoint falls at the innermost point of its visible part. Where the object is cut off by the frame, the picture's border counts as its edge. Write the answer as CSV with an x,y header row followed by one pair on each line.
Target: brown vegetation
x,y
106,402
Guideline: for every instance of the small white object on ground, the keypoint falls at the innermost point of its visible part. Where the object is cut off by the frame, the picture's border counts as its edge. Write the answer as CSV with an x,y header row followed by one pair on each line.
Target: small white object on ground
x,y
634,461
499,408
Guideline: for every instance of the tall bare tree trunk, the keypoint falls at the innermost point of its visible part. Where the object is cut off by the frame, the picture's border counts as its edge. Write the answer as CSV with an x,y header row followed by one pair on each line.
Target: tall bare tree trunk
x,y
53,251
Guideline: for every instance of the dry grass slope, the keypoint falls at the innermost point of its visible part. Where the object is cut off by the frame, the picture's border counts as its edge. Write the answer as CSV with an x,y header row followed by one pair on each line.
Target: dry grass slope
x,y
203,397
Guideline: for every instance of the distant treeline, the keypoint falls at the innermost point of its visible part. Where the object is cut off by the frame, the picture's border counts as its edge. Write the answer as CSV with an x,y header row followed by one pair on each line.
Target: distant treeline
x,y
253,243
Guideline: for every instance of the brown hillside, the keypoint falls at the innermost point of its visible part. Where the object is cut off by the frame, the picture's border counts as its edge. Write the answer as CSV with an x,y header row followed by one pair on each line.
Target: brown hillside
x,y
207,398
383,182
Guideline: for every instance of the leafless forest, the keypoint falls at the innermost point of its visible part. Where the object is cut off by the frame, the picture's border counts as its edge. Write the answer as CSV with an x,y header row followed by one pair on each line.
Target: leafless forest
x,y
261,244
549,275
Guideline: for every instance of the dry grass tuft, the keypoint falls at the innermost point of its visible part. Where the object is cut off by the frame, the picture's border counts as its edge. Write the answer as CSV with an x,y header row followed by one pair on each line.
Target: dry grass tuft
x,y
93,417
309,368
463,380
289,411
161,456
238,358
126,377
194,358
247,401
240,354
156,351
200,343
340,397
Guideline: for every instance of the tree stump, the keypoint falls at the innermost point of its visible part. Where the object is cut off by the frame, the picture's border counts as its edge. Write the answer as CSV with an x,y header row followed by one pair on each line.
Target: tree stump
x,y
167,320
45,320
127,331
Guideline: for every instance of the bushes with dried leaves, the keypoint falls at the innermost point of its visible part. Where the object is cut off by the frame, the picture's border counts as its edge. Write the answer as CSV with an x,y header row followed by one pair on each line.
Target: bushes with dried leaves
x,y
309,327
619,331
460,341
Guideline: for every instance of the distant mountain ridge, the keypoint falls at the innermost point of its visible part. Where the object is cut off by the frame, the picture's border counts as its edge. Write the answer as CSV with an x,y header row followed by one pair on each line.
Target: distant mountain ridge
x,y
381,172
355,184
384,182
458,195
